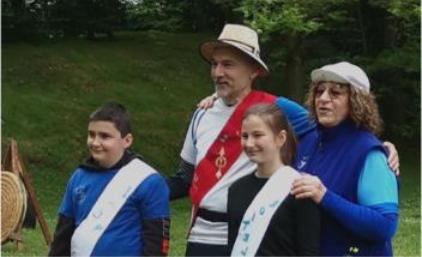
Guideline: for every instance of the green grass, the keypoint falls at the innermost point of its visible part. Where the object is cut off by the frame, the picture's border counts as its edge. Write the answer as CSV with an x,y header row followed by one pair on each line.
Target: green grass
x,y
48,91
407,241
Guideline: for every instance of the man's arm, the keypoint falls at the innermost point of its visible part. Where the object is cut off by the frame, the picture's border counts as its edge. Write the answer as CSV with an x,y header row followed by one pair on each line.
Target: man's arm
x,y
179,184
393,157
297,116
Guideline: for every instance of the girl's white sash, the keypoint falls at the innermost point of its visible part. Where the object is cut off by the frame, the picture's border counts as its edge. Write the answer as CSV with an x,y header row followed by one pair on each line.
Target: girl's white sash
x,y
115,194
259,213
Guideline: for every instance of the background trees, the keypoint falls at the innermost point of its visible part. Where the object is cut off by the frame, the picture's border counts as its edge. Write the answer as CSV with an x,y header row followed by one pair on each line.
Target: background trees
x,y
34,19
383,36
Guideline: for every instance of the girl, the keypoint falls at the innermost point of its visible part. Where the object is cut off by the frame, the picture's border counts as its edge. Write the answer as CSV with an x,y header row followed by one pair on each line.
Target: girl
x,y
264,219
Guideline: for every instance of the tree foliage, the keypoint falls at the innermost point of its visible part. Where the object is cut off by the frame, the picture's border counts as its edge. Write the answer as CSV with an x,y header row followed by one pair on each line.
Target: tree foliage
x,y
186,15
88,16
381,36
167,15
52,18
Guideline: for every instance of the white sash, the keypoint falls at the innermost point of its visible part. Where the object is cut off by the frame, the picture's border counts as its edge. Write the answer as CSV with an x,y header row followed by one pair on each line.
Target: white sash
x,y
259,213
115,194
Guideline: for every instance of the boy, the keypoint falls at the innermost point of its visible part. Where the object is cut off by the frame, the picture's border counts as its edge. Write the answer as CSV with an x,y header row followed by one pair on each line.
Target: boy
x,y
115,204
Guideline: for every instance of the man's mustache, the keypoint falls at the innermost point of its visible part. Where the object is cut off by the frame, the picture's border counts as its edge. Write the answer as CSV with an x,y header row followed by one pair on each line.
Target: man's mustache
x,y
220,82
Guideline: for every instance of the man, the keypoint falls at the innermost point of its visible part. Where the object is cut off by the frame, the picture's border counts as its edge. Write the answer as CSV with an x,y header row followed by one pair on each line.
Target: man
x,y
211,158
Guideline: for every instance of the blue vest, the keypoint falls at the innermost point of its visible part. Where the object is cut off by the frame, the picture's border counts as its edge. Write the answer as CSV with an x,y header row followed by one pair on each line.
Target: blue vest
x,y
337,156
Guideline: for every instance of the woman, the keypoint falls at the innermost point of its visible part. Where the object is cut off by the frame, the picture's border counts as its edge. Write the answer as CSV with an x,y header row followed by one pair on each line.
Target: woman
x,y
349,177
264,219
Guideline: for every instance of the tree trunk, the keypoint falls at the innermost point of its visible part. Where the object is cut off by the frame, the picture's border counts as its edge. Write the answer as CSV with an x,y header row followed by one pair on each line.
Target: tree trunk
x,y
294,71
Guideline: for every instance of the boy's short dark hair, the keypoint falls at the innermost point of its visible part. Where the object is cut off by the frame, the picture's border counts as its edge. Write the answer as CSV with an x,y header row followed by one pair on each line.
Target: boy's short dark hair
x,y
115,113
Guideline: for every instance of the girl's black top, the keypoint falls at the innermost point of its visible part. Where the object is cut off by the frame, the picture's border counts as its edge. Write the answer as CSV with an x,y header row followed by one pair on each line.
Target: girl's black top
x,y
294,228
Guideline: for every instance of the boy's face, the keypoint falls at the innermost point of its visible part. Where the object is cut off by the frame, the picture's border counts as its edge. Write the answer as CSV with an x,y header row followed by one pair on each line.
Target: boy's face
x,y
105,142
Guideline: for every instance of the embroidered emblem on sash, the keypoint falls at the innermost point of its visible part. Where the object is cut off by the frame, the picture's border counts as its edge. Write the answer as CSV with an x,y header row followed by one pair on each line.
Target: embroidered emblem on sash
x,y
220,162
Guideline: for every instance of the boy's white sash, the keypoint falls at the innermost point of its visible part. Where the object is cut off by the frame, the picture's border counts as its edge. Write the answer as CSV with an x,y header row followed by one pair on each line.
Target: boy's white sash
x,y
115,194
259,213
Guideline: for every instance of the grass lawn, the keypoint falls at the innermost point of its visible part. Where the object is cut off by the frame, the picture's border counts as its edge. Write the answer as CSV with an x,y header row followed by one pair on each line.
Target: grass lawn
x,y
49,89
407,241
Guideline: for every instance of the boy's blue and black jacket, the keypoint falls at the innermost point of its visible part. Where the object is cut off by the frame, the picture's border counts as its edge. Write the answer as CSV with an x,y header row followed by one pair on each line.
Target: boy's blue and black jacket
x,y
141,226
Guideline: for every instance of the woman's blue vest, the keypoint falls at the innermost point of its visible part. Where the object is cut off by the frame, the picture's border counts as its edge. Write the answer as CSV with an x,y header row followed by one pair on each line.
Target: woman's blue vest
x,y
337,156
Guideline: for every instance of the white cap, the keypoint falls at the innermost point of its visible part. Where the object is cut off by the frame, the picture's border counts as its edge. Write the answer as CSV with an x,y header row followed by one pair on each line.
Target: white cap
x,y
342,72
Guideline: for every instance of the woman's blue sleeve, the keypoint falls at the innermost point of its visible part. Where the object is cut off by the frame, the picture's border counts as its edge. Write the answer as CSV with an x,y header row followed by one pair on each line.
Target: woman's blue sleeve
x,y
365,221
297,115
375,217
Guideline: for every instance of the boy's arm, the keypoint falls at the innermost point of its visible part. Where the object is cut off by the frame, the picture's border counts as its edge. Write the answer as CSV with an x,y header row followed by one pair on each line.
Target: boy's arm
x,y
65,225
156,236
62,237
156,221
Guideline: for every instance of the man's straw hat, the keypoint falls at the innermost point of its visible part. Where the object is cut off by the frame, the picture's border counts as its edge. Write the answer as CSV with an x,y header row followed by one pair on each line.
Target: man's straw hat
x,y
240,37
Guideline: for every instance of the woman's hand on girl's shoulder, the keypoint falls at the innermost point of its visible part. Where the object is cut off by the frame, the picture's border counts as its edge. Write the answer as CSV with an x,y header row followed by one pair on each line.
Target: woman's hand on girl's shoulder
x,y
308,186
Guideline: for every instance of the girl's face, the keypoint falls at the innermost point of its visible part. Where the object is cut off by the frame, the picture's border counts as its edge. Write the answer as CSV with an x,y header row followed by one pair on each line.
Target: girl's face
x,y
259,142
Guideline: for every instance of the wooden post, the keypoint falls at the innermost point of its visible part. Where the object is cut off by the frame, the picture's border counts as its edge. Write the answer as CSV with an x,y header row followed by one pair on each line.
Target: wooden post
x,y
18,239
13,162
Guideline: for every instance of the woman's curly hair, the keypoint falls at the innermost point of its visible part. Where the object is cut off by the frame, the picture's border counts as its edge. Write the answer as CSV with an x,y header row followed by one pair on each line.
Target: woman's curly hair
x,y
362,105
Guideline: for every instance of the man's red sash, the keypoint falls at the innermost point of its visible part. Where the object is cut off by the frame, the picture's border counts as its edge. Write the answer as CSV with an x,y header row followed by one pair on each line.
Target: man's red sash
x,y
224,151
